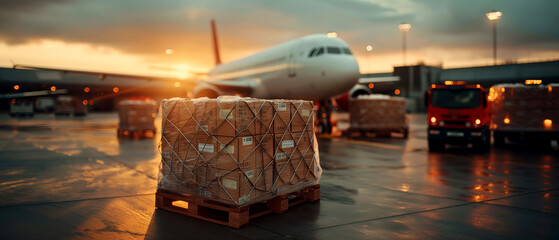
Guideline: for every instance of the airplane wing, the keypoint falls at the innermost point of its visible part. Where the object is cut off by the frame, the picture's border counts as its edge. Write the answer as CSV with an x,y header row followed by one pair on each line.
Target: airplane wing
x,y
101,75
378,79
33,94
243,87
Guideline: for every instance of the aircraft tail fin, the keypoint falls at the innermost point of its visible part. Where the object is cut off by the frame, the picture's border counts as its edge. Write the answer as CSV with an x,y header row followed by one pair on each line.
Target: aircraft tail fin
x,y
216,48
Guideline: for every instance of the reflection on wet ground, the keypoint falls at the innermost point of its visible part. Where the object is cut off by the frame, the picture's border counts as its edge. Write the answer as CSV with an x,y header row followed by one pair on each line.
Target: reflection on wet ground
x,y
72,178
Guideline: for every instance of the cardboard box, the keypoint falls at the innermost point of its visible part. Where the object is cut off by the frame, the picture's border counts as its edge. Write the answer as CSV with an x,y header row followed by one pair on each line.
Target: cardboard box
x,y
378,112
291,149
236,117
136,114
302,113
189,115
242,152
264,110
282,116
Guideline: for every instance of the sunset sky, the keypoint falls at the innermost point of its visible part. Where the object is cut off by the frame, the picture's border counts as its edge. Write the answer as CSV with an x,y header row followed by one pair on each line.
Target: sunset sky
x,y
131,36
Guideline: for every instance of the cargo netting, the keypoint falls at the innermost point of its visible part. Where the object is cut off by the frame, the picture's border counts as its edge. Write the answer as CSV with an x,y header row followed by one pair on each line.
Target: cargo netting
x,y
237,150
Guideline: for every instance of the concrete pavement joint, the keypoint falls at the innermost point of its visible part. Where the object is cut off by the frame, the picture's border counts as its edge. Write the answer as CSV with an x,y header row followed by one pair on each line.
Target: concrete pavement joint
x,y
420,194
272,231
387,217
75,200
486,202
516,207
126,165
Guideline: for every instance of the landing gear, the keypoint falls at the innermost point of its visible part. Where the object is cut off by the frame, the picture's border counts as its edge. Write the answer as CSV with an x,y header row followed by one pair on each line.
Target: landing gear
x,y
324,113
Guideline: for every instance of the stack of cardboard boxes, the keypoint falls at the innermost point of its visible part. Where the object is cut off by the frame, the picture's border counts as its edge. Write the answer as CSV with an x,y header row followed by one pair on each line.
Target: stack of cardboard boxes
x,y
136,114
377,112
524,107
237,150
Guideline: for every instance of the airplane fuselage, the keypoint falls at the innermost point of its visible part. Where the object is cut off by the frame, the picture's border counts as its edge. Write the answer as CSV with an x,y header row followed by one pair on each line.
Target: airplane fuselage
x,y
312,67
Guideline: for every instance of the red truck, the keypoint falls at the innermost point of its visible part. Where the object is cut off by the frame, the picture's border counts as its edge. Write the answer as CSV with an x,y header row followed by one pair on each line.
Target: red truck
x,y
458,114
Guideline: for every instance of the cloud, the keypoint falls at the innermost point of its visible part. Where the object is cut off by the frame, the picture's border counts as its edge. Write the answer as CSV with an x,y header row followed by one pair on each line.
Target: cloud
x,y
147,28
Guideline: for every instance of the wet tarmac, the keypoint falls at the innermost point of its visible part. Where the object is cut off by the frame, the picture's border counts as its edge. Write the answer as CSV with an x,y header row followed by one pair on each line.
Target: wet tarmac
x,y
72,178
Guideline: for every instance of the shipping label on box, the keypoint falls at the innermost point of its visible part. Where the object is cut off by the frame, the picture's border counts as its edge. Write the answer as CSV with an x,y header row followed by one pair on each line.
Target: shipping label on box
x,y
232,187
243,152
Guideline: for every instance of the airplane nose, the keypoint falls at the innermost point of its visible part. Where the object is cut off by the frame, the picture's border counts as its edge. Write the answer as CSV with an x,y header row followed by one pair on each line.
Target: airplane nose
x,y
347,73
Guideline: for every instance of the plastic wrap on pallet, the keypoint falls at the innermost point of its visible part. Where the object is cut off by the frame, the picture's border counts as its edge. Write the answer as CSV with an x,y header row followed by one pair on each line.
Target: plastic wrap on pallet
x,y
136,114
237,150
524,107
377,112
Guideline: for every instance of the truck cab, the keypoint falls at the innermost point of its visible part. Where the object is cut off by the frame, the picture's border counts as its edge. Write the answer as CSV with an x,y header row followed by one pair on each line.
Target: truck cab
x,y
457,114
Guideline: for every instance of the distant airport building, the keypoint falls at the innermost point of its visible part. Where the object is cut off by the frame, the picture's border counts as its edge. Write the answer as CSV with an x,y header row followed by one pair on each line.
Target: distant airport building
x,y
412,81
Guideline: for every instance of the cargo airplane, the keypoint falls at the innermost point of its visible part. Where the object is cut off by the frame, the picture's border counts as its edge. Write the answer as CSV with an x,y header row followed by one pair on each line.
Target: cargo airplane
x,y
313,67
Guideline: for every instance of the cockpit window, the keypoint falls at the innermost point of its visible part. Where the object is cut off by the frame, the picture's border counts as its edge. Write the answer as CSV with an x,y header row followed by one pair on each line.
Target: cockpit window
x,y
312,52
346,51
333,50
319,52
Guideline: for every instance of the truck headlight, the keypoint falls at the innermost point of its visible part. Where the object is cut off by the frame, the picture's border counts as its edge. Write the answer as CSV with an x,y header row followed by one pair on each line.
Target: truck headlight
x,y
547,123
468,124
441,123
478,122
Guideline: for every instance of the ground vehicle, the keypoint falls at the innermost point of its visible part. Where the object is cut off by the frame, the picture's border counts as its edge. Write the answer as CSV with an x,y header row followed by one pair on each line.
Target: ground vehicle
x,y
525,113
457,114
70,105
21,108
44,104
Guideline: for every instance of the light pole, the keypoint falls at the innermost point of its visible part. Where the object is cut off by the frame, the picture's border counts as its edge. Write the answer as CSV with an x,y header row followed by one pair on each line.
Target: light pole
x,y
493,16
404,28
369,50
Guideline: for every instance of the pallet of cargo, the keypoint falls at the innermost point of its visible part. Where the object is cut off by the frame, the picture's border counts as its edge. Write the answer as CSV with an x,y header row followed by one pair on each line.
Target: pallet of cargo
x,y
378,132
377,114
231,215
136,134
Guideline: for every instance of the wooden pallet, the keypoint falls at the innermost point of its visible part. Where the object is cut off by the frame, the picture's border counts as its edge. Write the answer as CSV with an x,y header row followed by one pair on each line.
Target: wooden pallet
x,y
136,134
230,215
380,132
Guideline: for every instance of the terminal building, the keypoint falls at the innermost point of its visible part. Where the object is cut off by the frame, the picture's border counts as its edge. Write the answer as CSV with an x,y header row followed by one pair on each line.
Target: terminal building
x,y
411,82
